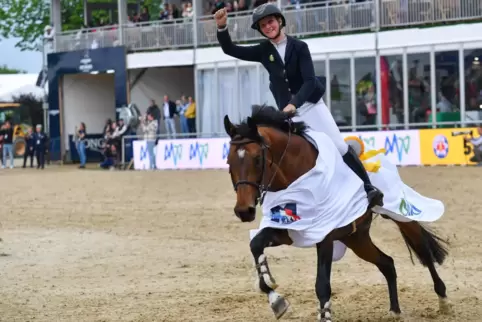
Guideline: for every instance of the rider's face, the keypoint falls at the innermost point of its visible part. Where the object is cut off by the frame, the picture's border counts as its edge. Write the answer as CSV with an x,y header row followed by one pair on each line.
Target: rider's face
x,y
269,26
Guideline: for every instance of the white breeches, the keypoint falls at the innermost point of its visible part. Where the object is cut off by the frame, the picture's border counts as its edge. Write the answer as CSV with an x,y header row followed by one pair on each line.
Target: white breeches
x,y
318,118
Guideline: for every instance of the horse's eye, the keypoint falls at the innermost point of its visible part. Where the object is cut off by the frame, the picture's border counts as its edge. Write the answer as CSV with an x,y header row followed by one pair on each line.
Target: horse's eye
x,y
258,160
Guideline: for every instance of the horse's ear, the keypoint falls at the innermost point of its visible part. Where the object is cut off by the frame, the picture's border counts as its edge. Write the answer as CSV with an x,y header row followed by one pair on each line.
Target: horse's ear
x,y
229,127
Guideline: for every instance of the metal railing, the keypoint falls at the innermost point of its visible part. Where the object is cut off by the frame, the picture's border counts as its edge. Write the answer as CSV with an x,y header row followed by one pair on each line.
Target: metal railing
x,y
310,20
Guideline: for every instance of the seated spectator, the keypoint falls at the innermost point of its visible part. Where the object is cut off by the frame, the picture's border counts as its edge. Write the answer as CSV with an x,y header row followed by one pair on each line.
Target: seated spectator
x,y
110,158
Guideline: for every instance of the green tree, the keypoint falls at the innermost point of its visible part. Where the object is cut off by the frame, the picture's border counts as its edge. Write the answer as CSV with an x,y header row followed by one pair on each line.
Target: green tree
x,y
6,70
26,19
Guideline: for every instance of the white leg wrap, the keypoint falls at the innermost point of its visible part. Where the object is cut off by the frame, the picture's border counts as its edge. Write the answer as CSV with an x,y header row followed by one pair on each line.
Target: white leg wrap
x,y
325,314
265,274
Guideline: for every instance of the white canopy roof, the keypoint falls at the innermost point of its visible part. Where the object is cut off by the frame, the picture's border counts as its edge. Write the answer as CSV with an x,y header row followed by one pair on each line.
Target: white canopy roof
x,y
12,85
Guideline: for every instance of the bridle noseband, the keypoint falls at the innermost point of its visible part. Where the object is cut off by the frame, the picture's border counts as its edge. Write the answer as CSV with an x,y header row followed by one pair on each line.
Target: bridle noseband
x,y
259,184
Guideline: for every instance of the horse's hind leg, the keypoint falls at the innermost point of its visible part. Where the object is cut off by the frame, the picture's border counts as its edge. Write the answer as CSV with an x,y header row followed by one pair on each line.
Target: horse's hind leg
x,y
439,286
362,245
269,237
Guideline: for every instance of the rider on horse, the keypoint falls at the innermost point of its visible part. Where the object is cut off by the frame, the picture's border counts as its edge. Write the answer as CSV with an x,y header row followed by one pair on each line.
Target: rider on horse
x,y
292,80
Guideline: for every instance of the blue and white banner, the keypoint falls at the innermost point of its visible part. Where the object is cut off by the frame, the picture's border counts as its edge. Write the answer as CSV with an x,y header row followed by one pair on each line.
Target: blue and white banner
x,y
402,148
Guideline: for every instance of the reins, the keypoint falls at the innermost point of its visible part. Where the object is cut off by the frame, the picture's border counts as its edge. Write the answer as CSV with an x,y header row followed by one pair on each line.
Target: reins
x,y
259,184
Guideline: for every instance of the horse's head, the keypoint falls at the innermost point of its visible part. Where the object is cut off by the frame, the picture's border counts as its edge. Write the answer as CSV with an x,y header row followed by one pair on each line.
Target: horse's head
x,y
255,154
246,160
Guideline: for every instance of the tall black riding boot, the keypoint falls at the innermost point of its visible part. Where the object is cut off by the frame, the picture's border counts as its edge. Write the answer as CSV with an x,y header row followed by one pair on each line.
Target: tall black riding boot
x,y
375,196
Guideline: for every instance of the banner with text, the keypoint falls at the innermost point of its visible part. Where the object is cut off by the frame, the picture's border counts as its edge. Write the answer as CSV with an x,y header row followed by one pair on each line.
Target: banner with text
x,y
446,146
402,148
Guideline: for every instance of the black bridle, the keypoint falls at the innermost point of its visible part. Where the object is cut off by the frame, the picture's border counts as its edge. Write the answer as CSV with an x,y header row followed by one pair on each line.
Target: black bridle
x,y
259,184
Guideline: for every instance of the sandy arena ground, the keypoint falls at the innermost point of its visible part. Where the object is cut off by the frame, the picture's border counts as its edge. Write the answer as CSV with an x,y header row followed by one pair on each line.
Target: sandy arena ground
x,y
165,246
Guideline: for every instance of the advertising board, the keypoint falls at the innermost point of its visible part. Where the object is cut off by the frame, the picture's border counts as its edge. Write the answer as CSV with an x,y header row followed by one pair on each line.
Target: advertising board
x,y
446,146
192,154
402,148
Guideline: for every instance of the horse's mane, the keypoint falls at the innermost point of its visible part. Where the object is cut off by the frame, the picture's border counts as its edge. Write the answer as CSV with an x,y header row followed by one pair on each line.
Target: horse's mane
x,y
266,115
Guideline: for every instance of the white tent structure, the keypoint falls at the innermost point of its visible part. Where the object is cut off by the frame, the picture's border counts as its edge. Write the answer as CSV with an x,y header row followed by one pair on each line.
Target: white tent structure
x,y
12,85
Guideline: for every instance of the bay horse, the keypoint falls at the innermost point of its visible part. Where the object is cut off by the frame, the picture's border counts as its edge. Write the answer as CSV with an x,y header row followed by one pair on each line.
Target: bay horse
x,y
267,153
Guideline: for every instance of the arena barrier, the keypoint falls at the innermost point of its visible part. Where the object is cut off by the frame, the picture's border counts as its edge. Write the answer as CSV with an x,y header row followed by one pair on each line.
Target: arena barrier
x,y
403,148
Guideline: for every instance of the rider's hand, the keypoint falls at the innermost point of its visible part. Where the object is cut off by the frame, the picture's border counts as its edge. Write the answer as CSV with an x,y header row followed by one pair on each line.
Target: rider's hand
x,y
221,17
289,108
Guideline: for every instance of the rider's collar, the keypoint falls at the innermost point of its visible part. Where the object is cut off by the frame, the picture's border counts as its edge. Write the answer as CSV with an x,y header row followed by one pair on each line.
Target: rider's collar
x,y
283,41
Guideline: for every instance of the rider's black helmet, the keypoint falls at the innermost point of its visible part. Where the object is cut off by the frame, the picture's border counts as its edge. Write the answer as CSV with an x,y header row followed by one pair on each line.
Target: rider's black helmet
x,y
265,10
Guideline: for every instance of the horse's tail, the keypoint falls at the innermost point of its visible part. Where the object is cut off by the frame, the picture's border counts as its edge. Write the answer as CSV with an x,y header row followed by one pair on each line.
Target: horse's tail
x,y
428,247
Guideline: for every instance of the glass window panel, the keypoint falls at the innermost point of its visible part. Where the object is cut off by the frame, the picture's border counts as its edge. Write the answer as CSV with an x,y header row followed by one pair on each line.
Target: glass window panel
x,y
447,86
247,92
473,86
226,99
340,91
206,101
392,90
366,96
320,69
419,96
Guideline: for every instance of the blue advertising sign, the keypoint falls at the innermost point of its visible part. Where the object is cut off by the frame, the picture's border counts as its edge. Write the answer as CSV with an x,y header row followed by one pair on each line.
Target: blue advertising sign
x,y
93,148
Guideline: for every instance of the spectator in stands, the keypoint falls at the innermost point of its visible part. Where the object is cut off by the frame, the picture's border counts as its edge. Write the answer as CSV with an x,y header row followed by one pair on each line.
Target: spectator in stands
x,y
80,133
187,12
119,132
156,112
169,111
145,16
190,115
40,145
110,158
29,148
181,107
164,14
149,127
7,133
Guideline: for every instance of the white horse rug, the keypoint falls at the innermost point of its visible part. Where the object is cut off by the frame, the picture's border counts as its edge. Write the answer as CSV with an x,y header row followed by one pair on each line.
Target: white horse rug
x,y
400,202
327,197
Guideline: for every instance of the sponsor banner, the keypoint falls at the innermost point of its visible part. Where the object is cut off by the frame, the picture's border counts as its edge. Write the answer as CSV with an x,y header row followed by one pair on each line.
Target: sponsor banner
x,y
192,154
141,155
446,146
93,148
402,147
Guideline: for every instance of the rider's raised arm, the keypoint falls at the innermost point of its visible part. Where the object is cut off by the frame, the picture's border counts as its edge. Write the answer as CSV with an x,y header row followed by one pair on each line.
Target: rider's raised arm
x,y
308,74
248,53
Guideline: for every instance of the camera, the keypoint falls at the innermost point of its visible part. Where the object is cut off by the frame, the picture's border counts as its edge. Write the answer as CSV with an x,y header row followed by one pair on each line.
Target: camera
x,y
458,133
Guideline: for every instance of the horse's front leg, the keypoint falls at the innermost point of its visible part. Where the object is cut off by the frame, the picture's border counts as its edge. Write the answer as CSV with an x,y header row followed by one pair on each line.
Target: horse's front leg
x,y
324,250
269,237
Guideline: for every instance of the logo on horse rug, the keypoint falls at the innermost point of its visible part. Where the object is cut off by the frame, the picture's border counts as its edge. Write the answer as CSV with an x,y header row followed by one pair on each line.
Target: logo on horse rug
x,y
408,210
285,215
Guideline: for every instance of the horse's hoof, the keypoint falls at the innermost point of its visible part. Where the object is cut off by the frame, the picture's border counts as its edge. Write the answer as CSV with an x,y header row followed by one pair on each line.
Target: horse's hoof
x,y
279,305
445,307
324,315
394,316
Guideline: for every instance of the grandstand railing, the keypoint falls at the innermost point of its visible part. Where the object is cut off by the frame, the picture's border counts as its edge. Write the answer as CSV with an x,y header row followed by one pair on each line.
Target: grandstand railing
x,y
312,19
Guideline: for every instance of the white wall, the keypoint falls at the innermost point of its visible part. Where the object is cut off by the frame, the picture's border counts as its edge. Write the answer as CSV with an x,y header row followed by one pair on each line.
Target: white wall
x,y
89,99
362,44
157,82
